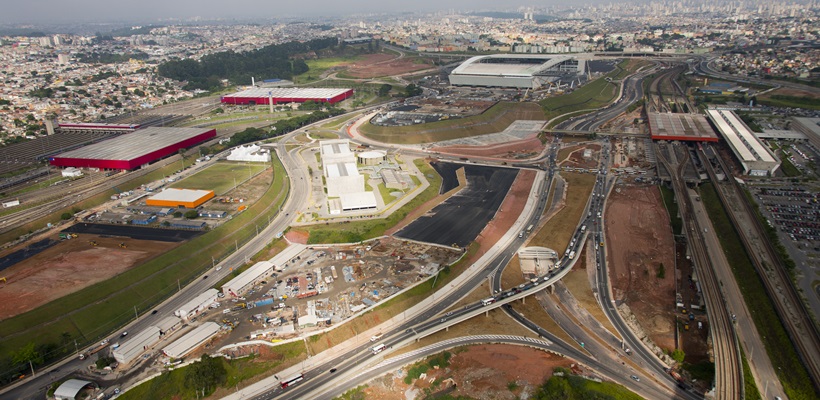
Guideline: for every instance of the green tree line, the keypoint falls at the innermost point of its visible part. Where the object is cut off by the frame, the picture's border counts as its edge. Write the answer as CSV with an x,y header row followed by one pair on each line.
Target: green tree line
x,y
272,61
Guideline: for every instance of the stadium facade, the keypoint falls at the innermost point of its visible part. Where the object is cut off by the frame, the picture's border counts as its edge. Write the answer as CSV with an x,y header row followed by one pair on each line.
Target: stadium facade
x,y
259,96
132,150
523,71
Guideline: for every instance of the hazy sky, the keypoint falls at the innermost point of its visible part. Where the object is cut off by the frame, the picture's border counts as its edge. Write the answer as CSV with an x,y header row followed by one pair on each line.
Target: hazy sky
x,y
34,11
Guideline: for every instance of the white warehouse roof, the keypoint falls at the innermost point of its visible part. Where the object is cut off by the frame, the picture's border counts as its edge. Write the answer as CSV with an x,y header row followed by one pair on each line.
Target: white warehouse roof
x,y
358,201
256,271
281,259
201,301
136,345
191,340
336,170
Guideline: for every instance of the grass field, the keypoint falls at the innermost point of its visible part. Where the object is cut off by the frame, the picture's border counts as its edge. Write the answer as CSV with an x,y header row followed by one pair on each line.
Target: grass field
x,y
558,231
493,120
781,351
356,231
221,176
575,387
786,165
97,310
592,95
319,66
672,209
172,385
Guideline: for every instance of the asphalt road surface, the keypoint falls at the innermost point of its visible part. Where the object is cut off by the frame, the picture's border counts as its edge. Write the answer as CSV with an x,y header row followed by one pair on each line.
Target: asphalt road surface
x,y
459,219
135,232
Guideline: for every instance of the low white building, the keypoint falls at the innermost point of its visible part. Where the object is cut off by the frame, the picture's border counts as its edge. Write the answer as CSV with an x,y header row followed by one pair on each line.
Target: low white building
x,y
193,339
136,345
244,281
249,153
197,304
342,178
72,172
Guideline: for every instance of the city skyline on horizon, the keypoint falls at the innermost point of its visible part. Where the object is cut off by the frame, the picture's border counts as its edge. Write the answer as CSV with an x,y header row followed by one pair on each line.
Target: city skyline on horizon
x,y
89,11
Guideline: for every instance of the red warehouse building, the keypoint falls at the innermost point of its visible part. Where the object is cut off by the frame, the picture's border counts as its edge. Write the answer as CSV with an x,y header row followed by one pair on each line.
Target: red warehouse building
x,y
257,96
130,151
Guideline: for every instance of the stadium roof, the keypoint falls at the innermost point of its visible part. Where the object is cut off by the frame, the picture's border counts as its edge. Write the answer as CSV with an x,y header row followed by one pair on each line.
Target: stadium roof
x,y
300,93
184,195
524,65
135,144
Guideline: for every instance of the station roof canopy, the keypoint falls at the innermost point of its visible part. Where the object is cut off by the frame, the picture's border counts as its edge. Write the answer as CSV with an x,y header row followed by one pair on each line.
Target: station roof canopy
x,y
688,127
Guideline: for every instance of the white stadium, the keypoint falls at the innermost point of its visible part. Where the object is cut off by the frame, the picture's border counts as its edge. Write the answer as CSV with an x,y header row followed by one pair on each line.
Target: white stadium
x,y
524,71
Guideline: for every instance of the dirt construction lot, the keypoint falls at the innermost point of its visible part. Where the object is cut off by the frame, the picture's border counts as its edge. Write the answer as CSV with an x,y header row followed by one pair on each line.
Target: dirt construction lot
x,y
376,65
639,241
70,266
491,371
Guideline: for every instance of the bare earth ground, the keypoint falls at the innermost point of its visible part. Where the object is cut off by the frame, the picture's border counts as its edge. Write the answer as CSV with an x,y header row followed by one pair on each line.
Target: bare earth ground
x,y
297,236
70,266
477,372
508,212
794,92
639,237
376,65
576,157
511,150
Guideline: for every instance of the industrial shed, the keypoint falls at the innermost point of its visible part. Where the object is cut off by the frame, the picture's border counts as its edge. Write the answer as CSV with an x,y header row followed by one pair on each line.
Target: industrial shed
x,y
244,281
191,340
257,96
197,304
136,345
168,324
180,198
132,150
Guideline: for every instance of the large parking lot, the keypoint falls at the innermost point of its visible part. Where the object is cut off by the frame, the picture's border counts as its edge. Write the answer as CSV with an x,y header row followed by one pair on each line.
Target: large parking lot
x,y
794,211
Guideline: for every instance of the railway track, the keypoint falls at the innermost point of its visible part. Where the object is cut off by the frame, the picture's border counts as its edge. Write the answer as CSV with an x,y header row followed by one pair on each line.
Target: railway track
x,y
728,369
53,202
792,311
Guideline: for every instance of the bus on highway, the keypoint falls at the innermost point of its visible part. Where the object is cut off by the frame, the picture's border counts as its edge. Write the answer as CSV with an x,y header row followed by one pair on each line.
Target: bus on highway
x,y
378,349
487,302
292,381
